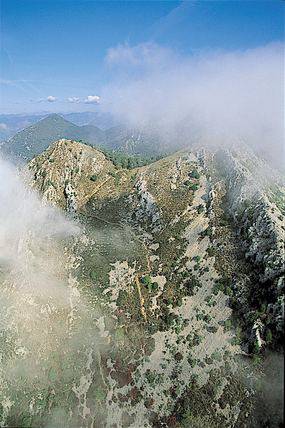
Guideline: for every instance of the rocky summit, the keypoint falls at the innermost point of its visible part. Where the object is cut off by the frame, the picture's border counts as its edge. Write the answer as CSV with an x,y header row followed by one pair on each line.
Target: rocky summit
x,y
170,303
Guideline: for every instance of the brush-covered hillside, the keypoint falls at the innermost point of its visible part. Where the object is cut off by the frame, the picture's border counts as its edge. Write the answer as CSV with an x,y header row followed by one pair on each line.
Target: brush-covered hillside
x,y
180,267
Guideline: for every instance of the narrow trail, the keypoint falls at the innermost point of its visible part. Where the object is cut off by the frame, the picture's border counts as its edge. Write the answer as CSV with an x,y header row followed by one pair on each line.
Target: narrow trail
x,y
143,311
138,274
88,197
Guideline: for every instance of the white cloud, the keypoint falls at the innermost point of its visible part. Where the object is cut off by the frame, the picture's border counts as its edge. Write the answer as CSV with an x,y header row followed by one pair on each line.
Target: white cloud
x,y
3,126
220,96
73,99
143,55
51,99
92,99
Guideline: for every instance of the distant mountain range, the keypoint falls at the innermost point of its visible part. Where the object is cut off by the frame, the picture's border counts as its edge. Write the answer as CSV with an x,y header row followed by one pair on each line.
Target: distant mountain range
x,y
35,138
10,124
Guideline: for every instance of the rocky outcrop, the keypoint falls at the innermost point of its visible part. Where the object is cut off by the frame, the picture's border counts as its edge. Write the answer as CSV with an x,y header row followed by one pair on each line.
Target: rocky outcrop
x,y
148,207
68,173
253,205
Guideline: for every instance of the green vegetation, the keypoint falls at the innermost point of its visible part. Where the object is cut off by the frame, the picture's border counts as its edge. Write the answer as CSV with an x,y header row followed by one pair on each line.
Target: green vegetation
x,y
224,285
228,324
94,275
193,186
197,259
51,183
200,209
147,281
100,394
123,160
211,251
194,174
268,336
207,232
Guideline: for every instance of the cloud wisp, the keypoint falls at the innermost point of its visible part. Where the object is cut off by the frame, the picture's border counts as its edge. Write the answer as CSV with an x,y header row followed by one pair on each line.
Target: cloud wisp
x,y
3,127
51,99
43,317
213,96
89,99
92,99
73,99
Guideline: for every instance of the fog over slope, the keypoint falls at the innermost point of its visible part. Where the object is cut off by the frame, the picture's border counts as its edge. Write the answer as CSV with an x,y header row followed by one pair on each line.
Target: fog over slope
x,y
220,97
23,215
42,314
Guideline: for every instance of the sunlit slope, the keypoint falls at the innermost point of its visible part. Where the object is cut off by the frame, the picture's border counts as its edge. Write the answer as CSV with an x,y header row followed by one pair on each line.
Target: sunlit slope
x,y
176,279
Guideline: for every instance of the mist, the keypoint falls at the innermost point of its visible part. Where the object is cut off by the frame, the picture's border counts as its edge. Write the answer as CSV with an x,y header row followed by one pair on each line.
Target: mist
x,y
211,97
47,328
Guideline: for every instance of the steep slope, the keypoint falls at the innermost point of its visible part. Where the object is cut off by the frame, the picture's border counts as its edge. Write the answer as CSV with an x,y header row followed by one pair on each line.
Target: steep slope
x,y
12,123
256,201
162,264
68,173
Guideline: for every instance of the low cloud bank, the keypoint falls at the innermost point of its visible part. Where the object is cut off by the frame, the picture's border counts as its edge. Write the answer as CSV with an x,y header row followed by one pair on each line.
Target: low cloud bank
x,y
23,217
210,96
47,329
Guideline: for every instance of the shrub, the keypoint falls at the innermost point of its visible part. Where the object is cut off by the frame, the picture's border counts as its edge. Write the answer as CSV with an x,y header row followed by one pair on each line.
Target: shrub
x,y
124,160
200,209
207,232
256,359
193,187
100,394
211,251
51,183
216,356
93,275
192,361
146,280
228,324
268,336
194,174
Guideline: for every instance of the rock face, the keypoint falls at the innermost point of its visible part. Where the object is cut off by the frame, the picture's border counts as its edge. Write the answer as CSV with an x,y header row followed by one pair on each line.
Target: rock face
x,y
167,264
68,173
256,203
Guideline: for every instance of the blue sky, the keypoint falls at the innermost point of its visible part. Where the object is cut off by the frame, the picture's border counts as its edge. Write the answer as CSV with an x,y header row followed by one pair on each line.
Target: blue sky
x,y
58,49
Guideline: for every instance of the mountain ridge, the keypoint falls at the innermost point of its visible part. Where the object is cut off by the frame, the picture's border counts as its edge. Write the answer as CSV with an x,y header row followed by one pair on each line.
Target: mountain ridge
x,y
173,293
